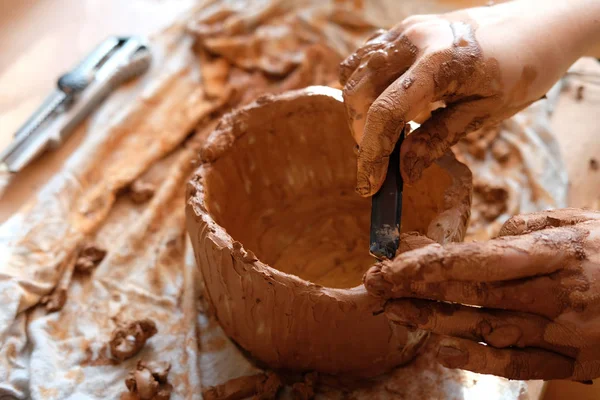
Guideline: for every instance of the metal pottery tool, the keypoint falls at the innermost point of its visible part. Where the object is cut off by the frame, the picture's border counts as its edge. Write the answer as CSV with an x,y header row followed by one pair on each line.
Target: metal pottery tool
x,y
78,93
386,209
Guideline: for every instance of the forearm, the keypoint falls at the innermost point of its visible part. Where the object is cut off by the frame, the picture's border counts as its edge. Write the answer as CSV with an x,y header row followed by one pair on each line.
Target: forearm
x,y
570,27
594,51
544,37
582,26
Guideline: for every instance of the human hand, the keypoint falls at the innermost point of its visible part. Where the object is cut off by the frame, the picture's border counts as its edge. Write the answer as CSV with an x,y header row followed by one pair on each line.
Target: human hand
x,y
532,296
485,64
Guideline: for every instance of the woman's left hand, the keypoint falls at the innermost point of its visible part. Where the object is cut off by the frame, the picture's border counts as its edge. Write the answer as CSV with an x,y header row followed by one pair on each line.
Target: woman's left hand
x,y
532,296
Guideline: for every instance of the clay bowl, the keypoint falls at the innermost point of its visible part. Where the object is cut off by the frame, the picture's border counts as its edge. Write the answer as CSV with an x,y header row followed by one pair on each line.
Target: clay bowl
x,y
281,237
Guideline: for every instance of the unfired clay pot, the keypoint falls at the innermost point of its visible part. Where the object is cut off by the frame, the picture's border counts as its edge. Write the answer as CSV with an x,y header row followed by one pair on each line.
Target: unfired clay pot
x,y
282,239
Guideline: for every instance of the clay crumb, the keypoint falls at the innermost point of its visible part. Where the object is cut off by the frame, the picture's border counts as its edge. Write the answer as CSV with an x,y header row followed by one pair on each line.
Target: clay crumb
x,y
579,93
148,381
594,164
501,150
305,390
269,388
55,300
260,386
140,192
493,200
89,258
126,341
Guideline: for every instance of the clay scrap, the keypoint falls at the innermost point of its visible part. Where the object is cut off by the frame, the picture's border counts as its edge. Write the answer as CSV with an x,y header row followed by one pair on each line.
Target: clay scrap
x,y
89,257
263,386
148,381
126,341
140,191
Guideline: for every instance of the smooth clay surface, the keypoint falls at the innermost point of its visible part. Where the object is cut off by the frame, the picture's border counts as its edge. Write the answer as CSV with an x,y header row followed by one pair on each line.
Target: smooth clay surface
x,y
282,238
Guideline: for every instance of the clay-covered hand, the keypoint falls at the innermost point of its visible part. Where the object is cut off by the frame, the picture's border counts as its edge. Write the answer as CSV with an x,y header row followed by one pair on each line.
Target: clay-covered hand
x,y
484,64
532,296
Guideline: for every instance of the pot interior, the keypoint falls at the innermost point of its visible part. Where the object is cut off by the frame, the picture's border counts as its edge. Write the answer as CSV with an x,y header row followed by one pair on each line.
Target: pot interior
x,y
285,190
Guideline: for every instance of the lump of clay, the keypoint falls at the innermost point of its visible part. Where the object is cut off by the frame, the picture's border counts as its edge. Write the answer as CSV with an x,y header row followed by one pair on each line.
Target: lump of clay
x,y
140,192
282,240
55,301
305,390
89,257
259,387
128,340
149,381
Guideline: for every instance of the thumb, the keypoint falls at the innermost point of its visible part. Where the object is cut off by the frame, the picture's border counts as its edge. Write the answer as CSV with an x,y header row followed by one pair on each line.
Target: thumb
x,y
442,130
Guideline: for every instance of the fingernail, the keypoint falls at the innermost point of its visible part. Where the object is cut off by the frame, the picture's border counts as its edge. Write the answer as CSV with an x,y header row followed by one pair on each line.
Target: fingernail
x,y
452,357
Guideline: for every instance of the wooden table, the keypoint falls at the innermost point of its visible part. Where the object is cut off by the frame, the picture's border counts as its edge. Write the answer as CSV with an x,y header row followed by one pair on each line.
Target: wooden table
x,y
42,39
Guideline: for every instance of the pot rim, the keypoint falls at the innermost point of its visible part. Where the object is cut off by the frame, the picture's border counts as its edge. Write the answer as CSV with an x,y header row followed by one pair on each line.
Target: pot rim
x,y
457,196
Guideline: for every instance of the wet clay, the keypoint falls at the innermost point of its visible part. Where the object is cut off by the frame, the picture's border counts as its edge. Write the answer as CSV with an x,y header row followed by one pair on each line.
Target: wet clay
x,y
282,239
263,386
140,192
148,382
128,340
89,257
55,301
305,390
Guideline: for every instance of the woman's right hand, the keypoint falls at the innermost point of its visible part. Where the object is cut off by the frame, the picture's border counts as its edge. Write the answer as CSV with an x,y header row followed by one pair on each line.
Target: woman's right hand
x,y
485,64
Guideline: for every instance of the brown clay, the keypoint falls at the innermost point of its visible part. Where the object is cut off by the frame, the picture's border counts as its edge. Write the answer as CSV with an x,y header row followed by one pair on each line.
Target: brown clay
x,y
55,301
268,389
282,240
305,390
89,257
140,192
126,341
149,381
579,93
236,389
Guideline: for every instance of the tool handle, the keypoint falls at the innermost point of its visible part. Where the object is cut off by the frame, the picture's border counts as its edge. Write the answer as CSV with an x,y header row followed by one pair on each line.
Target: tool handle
x,y
386,209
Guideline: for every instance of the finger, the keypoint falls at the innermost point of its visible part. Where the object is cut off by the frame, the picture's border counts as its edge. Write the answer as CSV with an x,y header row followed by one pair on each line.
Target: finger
x,y
399,103
443,129
521,224
497,328
544,295
351,63
522,364
501,259
385,61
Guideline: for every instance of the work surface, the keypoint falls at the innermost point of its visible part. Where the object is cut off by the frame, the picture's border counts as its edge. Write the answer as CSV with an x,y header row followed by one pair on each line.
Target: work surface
x,y
56,45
